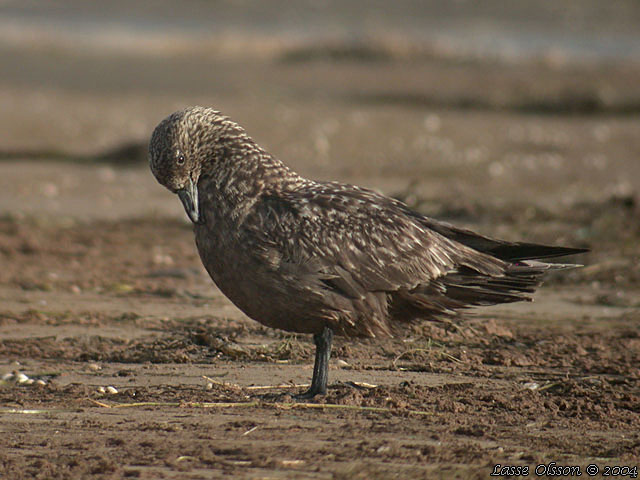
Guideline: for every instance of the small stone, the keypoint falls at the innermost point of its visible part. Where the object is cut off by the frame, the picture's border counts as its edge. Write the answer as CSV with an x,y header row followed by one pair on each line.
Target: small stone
x,y
111,390
94,366
41,382
341,363
50,190
107,174
21,378
531,385
162,259
101,390
432,123
496,169
7,376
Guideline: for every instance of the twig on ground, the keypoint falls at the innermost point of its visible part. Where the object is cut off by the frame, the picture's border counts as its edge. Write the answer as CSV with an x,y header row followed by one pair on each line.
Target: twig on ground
x,y
268,387
279,405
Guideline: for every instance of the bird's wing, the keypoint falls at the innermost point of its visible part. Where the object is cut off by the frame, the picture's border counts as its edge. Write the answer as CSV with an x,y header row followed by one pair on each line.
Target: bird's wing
x,y
356,240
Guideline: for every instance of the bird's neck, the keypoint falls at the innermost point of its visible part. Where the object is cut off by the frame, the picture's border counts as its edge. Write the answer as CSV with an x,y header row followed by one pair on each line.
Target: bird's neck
x,y
247,172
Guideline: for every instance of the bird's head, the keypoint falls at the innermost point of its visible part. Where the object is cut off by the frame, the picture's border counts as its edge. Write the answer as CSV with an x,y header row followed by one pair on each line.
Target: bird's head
x,y
186,145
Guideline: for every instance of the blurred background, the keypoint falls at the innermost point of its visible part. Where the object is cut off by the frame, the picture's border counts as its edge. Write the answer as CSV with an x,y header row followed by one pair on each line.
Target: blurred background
x,y
520,119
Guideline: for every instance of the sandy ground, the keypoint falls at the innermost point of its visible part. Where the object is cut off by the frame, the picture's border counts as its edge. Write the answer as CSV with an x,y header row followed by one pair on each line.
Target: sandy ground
x,y
101,286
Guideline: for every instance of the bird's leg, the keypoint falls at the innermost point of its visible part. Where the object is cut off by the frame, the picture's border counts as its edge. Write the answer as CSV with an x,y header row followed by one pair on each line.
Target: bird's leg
x,y
321,366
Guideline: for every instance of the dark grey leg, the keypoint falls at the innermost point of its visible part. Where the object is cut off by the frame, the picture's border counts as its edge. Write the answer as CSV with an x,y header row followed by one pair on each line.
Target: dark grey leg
x,y
321,366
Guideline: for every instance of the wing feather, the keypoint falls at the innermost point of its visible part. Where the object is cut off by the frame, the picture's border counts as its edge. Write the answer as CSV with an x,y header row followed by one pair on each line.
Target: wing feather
x,y
357,240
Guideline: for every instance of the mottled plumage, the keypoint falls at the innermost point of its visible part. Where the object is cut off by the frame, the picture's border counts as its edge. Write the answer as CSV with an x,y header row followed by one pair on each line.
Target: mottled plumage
x,y
325,257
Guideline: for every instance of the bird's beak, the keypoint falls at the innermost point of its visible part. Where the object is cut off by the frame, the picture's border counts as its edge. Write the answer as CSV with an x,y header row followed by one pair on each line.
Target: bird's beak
x,y
189,198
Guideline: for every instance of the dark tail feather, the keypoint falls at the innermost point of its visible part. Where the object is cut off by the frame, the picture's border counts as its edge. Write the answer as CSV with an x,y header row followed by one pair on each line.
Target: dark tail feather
x,y
470,286
520,280
445,297
528,251
507,251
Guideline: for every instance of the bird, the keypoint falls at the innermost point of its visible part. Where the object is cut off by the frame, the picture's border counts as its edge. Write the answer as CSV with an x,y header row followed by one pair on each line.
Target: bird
x,y
327,258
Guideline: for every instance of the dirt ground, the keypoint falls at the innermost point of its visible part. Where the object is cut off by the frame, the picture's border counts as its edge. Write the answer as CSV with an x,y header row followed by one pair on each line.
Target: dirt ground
x,y
135,366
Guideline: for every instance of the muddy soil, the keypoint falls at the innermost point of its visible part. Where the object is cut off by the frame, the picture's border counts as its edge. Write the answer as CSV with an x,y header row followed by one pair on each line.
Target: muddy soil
x,y
120,358
199,391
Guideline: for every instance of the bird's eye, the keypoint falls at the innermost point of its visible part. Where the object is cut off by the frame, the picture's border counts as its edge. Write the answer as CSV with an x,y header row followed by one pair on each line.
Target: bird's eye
x,y
180,159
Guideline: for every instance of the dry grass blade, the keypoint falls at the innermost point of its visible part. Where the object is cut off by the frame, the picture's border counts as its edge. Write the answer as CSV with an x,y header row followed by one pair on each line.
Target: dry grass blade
x,y
409,352
362,385
269,387
429,351
330,406
23,411
548,385
100,404
186,404
278,405
218,382
255,387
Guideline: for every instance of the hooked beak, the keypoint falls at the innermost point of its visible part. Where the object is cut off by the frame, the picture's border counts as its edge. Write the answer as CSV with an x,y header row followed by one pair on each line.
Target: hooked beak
x,y
189,198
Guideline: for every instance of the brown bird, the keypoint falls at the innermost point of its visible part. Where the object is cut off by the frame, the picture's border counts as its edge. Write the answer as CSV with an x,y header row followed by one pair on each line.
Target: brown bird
x,y
326,257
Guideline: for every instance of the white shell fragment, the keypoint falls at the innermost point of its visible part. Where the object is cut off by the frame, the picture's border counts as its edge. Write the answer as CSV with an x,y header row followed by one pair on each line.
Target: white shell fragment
x,y
21,378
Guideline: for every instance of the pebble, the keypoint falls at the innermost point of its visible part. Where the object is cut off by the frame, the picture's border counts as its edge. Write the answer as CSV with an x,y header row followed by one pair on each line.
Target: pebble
x,y
101,390
531,385
50,190
107,174
19,377
111,390
432,123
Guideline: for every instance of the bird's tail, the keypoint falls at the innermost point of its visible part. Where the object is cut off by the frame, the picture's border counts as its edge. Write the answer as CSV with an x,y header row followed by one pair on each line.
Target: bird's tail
x,y
507,251
518,283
